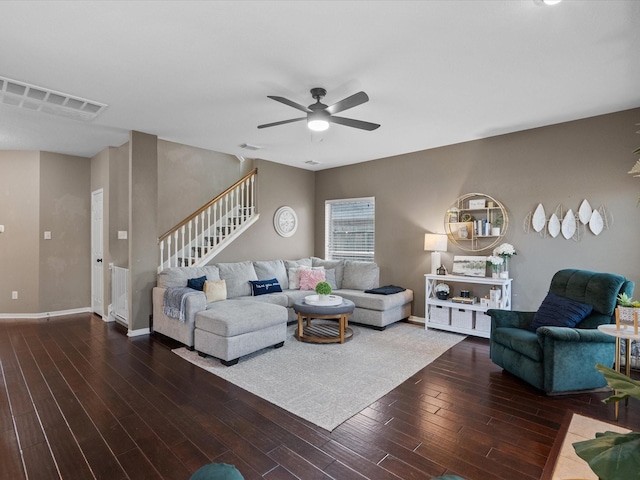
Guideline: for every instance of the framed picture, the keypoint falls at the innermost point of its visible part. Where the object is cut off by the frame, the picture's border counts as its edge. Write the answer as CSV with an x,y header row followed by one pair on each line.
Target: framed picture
x,y
477,203
469,266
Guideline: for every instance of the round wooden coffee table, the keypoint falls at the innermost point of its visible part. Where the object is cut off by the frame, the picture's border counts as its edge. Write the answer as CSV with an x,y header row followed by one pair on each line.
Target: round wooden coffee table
x,y
324,332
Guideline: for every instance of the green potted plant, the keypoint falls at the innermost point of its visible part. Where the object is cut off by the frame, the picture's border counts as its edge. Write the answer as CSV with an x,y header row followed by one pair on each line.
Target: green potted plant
x,y
323,289
611,455
626,307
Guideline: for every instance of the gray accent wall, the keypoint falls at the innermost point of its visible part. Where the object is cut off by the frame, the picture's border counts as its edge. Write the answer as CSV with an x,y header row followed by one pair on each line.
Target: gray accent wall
x,y
143,226
277,185
189,177
65,211
559,164
19,244
41,191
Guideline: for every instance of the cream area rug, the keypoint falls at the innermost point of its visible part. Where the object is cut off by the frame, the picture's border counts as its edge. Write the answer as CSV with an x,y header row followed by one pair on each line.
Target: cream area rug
x,y
328,383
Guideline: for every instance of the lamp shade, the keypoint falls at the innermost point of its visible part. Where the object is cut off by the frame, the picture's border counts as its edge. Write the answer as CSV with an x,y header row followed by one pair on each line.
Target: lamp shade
x,y
435,242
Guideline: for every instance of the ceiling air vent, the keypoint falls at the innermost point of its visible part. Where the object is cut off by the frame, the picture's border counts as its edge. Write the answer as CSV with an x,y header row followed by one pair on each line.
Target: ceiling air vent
x,y
31,97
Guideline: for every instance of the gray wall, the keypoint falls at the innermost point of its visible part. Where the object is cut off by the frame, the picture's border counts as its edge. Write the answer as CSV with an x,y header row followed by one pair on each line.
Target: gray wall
x,y
188,177
278,185
65,211
143,226
560,164
19,244
40,192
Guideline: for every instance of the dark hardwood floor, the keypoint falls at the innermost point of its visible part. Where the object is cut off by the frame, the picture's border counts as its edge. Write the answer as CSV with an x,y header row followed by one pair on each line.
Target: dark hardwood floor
x,y
79,400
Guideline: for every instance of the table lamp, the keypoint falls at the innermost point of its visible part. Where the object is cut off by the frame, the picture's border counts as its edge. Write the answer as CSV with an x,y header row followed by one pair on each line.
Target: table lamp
x,y
435,243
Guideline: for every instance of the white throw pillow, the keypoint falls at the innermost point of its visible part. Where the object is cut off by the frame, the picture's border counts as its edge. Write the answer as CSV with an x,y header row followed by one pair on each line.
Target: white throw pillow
x,y
215,291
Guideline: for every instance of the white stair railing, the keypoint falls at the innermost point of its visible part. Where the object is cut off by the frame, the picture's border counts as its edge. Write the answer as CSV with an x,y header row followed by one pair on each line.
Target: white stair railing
x,y
206,232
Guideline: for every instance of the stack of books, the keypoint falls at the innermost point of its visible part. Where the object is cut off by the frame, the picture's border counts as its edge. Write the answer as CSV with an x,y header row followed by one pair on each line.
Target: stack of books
x,y
465,300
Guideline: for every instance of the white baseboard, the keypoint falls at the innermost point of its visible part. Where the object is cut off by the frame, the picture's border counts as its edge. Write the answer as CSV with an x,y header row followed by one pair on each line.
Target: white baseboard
x,y
416,320
36,316
138,332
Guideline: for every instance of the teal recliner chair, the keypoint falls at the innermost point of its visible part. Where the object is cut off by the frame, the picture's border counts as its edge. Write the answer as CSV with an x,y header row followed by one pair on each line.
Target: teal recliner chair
x,y
554,357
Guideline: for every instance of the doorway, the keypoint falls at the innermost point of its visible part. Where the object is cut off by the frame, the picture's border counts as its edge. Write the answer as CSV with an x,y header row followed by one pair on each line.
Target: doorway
x,y
97,247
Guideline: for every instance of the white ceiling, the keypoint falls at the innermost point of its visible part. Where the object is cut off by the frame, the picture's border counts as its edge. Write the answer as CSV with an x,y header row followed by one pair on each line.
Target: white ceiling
x,y
198,73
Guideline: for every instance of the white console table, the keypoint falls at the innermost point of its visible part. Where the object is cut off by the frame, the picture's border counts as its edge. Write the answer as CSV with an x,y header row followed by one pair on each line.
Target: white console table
x,y
471,321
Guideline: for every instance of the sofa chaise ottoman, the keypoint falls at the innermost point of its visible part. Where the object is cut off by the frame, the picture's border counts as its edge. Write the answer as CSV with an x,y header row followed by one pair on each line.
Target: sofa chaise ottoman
x,y
234,328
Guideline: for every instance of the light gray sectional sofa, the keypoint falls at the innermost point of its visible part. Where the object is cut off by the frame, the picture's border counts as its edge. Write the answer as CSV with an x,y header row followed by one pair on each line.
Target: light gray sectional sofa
x,y
243,323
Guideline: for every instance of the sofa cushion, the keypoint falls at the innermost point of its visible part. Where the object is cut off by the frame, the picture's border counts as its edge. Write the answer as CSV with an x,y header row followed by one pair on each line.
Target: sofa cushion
x,y
178,276
557,311
215,291
266,270
235,317
336,265
262,287
360,275
302,262
197,283
330,278
379,303
274,298
294,295
237,276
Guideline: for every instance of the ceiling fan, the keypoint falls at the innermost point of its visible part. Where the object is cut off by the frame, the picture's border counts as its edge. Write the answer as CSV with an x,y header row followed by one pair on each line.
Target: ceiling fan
x,y
320,115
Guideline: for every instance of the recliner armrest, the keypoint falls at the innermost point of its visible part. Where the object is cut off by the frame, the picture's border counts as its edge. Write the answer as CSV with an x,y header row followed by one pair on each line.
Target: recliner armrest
x,y
566,334
510,318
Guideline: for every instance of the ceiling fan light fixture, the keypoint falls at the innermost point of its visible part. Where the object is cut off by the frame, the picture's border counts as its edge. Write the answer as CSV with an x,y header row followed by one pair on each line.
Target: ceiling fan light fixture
x,y
317,121
317,125
546,2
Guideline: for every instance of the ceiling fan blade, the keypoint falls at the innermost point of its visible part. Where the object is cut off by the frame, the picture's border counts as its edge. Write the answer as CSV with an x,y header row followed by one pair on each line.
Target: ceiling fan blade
x,y
281,122
286,101
349,122
349,102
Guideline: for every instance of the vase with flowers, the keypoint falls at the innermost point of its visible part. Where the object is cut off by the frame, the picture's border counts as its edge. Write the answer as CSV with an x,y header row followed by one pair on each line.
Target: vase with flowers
x,y
505,251
495,262
442,291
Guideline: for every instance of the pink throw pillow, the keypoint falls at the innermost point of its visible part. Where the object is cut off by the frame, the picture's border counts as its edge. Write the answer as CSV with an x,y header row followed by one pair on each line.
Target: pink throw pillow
x,y
310,278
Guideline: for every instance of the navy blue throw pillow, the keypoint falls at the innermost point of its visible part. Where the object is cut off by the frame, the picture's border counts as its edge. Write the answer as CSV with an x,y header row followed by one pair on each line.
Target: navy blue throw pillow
x,y
197,283
260,287
557,311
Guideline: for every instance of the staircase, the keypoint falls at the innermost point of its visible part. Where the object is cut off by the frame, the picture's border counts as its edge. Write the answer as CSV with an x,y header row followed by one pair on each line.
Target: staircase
x,y
209,230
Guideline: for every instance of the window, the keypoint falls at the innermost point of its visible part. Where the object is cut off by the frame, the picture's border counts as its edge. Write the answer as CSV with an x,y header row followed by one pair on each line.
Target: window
x,y
350,229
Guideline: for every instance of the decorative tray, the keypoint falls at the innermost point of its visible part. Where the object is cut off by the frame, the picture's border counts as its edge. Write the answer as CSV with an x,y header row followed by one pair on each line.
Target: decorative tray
x,y
331,300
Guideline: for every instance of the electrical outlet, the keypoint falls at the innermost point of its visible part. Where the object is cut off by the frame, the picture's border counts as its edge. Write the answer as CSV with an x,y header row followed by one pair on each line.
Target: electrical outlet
x,y
122,234
47,235
14,295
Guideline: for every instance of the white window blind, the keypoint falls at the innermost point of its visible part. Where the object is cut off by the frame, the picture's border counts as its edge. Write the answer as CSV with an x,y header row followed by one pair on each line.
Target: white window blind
x,y
350,229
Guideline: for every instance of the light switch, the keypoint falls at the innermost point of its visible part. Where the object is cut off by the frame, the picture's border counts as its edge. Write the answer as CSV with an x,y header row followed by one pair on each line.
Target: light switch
x,y
1,228
122,234
47,235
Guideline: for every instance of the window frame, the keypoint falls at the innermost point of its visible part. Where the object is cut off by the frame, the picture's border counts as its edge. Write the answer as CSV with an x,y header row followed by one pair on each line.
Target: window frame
x,y
363,254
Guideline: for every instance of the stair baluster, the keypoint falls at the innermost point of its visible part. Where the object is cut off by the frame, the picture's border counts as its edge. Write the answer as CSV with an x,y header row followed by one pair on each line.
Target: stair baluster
x,y
206,232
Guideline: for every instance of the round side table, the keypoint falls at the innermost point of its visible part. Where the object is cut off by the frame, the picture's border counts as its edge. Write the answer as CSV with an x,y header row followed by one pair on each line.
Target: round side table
x,y
323,332
623,333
